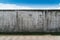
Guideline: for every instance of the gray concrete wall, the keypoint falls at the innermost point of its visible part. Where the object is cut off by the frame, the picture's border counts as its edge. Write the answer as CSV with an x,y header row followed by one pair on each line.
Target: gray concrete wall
x,y
7,20
53,18
29,21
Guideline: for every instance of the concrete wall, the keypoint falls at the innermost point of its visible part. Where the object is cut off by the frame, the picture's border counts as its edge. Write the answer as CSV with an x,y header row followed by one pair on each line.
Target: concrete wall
x,y
53,18
29,21
7,20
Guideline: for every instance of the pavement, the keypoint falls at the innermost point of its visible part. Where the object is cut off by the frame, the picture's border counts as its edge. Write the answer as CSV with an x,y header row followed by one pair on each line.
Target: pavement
x,y
29,37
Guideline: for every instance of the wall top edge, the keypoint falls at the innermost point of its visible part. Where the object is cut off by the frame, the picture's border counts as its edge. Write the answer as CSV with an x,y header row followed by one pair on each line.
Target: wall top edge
x,y
29,9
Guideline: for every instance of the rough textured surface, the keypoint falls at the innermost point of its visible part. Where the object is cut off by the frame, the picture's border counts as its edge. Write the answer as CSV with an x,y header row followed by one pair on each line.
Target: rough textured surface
x,y
7,21
29,21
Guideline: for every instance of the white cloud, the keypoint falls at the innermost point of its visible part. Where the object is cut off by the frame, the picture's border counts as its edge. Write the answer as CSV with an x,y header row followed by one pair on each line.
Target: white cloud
x,y
14,6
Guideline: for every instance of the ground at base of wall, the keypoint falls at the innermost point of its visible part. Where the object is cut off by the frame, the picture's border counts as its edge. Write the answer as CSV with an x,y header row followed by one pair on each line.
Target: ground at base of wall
x,y
29,33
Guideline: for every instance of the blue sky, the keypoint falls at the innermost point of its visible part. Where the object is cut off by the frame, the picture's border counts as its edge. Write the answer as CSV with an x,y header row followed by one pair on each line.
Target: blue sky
x,y
32,3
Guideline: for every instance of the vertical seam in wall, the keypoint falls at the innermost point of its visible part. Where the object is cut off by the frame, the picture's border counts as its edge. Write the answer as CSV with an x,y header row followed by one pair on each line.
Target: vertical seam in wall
x,y
17,21
46,17
43,21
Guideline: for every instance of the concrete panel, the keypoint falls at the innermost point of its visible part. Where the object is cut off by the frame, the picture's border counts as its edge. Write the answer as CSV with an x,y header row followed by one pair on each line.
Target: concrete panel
x,y
7,21
32,21
53,21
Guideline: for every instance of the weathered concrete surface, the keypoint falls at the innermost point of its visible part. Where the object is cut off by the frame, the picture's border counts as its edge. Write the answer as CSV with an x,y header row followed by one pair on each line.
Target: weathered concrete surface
x,y
7,20
29,21
53,18
16,37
